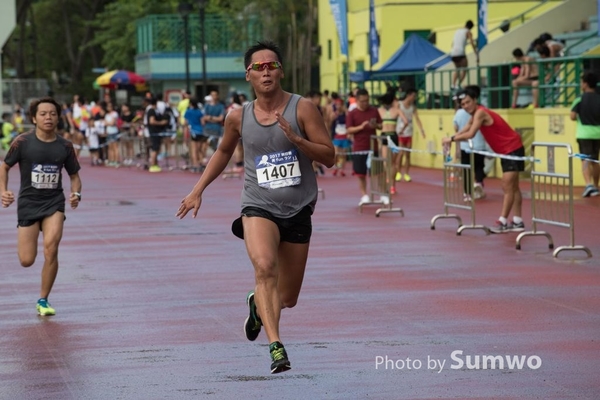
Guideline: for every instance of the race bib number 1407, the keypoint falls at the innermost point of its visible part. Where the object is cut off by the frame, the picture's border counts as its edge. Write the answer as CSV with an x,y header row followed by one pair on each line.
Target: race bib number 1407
x,y
45,176
277,170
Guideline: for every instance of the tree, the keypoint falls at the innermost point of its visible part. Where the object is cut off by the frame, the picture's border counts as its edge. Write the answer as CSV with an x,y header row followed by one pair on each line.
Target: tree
x,y
53,40
289,23
116,29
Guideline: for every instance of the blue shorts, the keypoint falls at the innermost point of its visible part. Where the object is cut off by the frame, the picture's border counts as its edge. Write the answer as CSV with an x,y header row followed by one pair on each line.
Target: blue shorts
x,y
342,143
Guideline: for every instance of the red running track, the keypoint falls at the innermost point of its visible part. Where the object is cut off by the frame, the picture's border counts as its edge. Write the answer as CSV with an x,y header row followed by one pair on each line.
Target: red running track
x,y
151,307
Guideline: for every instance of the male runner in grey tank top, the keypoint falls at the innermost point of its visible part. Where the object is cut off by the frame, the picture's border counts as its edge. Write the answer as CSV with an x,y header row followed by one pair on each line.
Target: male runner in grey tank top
x,y
282,134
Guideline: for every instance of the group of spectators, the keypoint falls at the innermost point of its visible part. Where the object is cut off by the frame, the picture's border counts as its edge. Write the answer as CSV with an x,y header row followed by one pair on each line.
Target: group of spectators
x,y
526,73
353,121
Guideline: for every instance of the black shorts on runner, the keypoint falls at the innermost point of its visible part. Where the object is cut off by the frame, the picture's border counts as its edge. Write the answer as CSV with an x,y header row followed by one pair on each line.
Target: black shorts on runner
x,y
296,229
589,147
359,164
28,222
514,165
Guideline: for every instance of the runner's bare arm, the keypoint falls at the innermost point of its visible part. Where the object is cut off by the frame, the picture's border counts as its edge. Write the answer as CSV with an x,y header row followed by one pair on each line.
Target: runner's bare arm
x,y
318,146
216,165
75,188
469,130
6,195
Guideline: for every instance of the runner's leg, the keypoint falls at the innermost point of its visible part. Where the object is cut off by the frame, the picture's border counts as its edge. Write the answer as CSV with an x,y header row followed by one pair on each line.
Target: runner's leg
x,y
261,237
27,242
52,229
292,263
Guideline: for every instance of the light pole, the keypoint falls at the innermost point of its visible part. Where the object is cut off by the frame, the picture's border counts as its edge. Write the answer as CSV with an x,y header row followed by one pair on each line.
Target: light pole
x,y
202,7
185,9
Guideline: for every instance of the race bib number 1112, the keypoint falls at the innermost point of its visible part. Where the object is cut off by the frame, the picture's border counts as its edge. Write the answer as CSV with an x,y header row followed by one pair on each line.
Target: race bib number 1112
x,y
45,176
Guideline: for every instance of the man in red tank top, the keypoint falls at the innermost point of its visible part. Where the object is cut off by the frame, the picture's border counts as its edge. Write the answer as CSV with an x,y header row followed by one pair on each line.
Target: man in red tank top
x,y
503,140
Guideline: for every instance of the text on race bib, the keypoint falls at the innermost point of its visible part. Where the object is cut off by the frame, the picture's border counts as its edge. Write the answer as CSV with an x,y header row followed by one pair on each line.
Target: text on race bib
x,y
45,176
277,170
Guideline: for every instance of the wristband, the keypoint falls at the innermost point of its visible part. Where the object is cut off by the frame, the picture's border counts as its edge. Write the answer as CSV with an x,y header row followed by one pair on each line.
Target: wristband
x,y
78,195
452,138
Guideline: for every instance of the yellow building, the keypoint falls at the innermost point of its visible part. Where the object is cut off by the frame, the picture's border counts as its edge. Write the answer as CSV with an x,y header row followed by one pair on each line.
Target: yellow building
x,y
397,20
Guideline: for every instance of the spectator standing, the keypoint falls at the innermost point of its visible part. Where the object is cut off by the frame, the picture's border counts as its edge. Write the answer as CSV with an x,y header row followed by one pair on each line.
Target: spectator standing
x,y
362,123
586,111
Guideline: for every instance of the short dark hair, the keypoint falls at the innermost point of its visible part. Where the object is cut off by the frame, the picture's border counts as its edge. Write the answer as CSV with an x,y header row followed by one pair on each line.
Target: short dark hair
x,y
362,92
261,45
469,24
538,42
33,107
387,99
473,91
590,78
193,102
518,52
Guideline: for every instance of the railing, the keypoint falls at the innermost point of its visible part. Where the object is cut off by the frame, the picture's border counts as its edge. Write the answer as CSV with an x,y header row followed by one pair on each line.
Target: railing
x,y
519,17
552,196
580,41
559,83
165,33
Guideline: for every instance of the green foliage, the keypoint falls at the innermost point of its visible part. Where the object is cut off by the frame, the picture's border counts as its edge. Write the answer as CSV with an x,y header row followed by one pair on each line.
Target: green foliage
x,y
116,29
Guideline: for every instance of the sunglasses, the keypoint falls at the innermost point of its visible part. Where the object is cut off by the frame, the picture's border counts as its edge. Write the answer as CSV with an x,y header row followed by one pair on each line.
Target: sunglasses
x,y
262,65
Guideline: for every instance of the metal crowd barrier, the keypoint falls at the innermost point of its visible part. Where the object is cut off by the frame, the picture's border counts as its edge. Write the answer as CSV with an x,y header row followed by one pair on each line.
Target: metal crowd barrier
x,y
381,178
549,193
454,176
173,153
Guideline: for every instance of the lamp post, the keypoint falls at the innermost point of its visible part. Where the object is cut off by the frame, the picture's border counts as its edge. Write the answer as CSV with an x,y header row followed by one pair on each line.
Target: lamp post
x,y
202,7
185,9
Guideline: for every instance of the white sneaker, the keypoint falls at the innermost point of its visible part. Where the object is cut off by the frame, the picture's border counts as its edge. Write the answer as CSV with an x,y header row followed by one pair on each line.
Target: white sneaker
x,y
479,193
385,200
364,199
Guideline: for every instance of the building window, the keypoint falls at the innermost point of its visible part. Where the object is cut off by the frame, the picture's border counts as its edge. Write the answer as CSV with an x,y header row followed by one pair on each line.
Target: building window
x,y
424,33
329,49
360,66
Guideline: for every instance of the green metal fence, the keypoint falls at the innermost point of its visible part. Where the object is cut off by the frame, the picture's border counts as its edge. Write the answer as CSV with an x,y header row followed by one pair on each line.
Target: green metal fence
x,y
165,33
559,83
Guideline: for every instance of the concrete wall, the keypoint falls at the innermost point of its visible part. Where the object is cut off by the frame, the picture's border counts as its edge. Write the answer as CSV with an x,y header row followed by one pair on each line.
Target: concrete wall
x,y
564,17
550,125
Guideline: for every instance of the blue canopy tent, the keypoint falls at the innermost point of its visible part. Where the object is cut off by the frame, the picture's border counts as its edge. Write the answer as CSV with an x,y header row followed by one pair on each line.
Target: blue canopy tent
x,y
413,56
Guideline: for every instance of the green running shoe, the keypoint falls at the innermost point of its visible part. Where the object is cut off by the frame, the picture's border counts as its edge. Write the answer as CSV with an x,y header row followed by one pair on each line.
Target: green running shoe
x,y
44,308
279,357
253,323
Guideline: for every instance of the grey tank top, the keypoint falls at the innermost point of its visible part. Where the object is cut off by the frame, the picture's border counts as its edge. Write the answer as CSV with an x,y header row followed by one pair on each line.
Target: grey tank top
x,y
278,177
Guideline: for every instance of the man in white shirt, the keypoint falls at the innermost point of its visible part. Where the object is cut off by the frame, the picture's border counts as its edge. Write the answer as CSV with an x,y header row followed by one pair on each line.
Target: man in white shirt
x,y
458,53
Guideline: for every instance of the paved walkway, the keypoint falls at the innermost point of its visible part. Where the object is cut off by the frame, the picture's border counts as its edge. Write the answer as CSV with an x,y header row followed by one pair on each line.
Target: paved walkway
x,y
151,307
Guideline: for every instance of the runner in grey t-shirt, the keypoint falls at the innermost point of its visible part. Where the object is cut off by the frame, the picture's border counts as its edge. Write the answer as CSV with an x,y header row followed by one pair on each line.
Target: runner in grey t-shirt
x,y
41,155
282,134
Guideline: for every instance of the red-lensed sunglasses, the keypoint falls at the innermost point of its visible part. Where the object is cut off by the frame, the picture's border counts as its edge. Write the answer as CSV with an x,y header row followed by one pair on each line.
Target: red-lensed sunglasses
x,y
262,65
